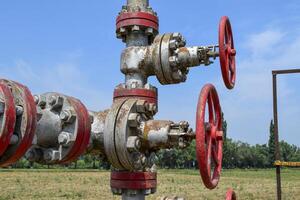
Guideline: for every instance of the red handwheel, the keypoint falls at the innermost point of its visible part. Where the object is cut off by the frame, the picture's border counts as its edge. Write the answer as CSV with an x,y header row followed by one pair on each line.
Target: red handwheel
x,y
209,136
230,195
227,53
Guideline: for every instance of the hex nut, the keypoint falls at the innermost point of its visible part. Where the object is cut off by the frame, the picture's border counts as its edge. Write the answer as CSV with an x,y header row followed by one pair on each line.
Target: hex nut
x,y
42,101
134,120
52,100
64,138
141,106
56,102
173,61
67,116
133,143
135,28
173,44
19,110
149,31
36,99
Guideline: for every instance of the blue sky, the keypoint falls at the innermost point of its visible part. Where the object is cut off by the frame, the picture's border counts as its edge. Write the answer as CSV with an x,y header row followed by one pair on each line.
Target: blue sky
x,y
70,47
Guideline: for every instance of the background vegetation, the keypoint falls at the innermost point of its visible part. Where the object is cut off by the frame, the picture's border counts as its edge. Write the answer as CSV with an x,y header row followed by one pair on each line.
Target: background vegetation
x,y
236,154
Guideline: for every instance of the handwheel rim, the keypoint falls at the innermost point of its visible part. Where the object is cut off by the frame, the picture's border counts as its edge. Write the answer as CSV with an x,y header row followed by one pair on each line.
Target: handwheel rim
x,y
230,195
209,140
9,118
227,53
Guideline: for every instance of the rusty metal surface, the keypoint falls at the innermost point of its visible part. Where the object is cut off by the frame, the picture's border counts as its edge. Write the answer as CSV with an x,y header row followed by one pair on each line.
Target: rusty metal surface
x,y
63,129
209,136
276,135
286,71
150,95
96,146
109,134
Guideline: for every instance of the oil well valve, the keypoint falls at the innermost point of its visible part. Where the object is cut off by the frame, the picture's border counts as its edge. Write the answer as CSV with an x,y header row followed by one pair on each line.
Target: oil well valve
x,y
53,128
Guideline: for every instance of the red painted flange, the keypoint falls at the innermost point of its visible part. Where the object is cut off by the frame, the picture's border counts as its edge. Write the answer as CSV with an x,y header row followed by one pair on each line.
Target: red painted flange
x,y
28,124
227,53
230,195
209,136
83,132
8,117
133,180
137,18
148,95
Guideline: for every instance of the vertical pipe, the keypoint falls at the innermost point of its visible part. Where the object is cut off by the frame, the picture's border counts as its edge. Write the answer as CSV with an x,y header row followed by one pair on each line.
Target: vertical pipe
x,y
143,4
139,196
277,147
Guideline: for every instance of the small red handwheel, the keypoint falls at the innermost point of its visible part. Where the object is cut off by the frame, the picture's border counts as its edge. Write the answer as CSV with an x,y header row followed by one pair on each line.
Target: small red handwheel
x,y
227,53
209,136
7,117
230,195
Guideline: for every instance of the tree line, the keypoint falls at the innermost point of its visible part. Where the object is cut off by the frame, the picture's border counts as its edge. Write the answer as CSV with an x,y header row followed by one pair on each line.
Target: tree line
x,y
236,154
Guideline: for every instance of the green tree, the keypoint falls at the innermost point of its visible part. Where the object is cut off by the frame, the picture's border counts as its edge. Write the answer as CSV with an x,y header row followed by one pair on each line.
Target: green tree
x,y
271,144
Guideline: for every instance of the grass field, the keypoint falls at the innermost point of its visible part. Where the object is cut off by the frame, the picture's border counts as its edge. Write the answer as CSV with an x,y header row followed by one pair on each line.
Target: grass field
x,y
94,185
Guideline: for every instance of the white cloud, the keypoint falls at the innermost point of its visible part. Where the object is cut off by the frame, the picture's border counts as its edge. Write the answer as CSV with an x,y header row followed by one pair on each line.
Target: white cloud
x,y
66,77
262,43
248,108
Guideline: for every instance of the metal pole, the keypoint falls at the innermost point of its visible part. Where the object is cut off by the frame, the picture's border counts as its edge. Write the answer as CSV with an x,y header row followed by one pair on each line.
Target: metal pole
x,y
277,147
143,4
139,196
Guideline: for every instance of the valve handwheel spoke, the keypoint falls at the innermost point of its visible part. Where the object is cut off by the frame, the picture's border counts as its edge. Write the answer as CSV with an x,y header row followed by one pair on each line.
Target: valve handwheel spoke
x,y
227,53
7,117
209,141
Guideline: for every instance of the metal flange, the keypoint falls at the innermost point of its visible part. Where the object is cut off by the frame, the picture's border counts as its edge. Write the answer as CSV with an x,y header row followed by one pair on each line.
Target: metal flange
x,y
120,182
25,125
63,129
137,21
149,95
123,135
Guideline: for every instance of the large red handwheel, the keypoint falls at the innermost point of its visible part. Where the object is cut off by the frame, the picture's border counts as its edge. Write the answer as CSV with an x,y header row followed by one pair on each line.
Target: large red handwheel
x,y
209,136
7,117
227,53
230,195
